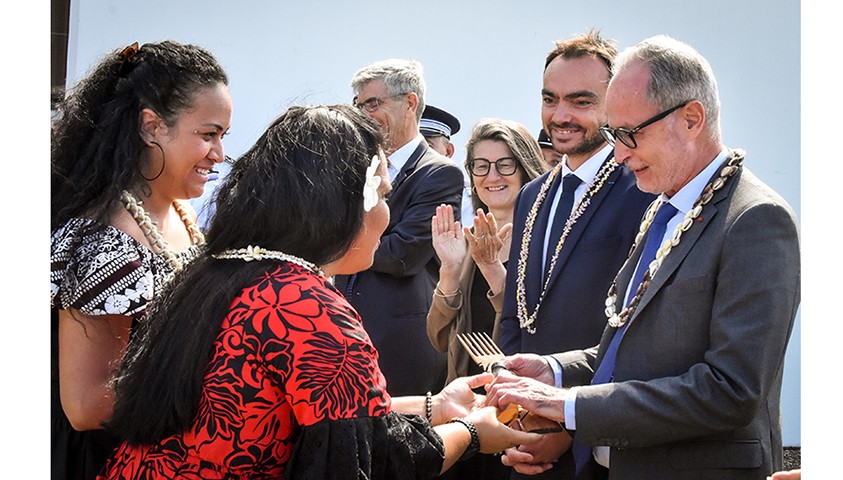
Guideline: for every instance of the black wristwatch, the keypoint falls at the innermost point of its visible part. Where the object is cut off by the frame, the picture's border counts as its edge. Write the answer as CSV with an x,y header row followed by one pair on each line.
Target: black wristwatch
x,y
474,445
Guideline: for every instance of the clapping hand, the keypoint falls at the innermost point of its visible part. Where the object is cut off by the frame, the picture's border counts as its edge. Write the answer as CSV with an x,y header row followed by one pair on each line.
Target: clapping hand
x,y
447,235
485,239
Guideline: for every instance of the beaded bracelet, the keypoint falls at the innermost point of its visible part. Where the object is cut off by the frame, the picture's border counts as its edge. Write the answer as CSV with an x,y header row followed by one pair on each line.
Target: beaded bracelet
x,y
428,407
474,445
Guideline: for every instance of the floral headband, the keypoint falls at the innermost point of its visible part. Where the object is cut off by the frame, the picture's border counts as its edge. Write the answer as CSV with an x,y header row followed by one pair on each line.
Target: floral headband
x,y
370,188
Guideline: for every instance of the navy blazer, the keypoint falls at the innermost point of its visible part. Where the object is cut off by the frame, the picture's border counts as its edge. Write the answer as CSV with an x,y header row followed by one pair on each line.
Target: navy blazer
x,y
572,313
394,295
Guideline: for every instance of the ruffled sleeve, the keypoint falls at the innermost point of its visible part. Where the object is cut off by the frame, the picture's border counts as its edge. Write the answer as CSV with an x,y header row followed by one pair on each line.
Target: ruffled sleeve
x,y
102,270
389,447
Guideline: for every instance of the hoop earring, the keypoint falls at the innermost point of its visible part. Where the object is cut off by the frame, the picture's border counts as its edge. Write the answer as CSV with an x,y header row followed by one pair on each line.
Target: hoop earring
x,y
163,162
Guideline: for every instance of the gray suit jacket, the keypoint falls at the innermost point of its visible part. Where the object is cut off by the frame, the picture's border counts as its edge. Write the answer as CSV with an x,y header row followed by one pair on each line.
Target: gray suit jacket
x,y
698,374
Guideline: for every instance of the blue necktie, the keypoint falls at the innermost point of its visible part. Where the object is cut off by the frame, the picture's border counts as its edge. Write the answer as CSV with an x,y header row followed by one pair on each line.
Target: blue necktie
x,y
560,218
604,372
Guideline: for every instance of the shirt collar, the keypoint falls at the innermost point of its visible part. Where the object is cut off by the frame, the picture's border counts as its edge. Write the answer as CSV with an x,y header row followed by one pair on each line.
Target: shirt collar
x,y
684,199
400,156
588,170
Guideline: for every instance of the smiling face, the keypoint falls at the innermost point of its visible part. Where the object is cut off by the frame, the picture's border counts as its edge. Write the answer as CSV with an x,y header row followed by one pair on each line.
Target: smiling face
x,y
394,114
497,191
660,160
573,106
192,146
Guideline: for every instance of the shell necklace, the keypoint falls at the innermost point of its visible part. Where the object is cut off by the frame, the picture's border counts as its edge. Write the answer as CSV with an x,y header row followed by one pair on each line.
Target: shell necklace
x,y
525,319
619,319
150,231
257,253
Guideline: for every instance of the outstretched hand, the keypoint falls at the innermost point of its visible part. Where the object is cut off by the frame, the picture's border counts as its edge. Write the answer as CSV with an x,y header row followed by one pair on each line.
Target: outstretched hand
x,y
494,435
458,399
447,236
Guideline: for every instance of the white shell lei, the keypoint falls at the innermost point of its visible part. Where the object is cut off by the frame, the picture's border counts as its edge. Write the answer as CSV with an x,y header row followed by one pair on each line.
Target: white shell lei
x,y
619,319
525,319
150,231
257,253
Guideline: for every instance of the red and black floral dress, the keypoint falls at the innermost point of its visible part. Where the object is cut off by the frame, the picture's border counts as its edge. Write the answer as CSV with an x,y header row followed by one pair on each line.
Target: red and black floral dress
x,y
293,389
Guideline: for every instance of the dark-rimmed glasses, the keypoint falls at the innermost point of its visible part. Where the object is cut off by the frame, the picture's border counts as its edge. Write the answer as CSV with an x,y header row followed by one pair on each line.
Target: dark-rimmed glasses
x,y
627,136
481,167
371,105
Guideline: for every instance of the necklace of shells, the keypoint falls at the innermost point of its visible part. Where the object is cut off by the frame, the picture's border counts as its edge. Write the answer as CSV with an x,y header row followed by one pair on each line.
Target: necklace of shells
x,y
619,319
257,253
527,320
150,231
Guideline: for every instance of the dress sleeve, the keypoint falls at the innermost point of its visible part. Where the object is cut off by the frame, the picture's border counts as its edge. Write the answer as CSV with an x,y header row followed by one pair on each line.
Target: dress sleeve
x,y
99,271
389,447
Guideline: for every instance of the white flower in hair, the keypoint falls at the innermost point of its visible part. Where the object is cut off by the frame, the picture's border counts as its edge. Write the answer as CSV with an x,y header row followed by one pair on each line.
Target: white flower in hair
x,y
370,189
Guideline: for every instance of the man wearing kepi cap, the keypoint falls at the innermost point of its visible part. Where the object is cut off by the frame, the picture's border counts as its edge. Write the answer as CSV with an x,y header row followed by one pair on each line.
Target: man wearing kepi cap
x,y
437,126
551,156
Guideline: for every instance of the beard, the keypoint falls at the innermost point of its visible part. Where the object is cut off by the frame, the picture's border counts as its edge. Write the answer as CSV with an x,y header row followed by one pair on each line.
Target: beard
x,y
589,144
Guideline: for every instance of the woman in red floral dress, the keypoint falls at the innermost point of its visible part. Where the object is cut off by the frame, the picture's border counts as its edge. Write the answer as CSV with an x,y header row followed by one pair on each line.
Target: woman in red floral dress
x,y
252,365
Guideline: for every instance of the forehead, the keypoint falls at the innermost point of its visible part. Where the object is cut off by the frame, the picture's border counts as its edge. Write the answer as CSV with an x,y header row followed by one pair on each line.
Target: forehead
x,y
627,97
211,103
491,149
373,88
584,74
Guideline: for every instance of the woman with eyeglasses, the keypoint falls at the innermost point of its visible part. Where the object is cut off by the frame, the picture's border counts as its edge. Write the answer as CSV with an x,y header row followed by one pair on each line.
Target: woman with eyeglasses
x,y
501,156
131,143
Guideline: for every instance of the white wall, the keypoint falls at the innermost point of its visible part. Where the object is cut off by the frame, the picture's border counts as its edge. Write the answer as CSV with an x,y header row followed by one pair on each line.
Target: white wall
x,y
482,58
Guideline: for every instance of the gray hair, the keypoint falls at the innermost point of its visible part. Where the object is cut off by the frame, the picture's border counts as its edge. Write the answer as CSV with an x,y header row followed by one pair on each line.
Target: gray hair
x,y
399,76
677,73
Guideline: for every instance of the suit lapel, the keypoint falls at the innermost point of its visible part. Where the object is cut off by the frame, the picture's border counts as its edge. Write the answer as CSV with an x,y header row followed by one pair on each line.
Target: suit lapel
x,y
409,165
577,230
689,238
535,255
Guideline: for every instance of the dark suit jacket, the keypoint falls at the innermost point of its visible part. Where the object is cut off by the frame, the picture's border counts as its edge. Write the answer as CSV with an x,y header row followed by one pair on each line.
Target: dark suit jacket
x,y
698,374
572,313
394,295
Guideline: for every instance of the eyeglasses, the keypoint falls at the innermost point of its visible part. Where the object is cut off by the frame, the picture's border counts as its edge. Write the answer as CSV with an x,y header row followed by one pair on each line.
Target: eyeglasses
x,y
371,105
481,167
627,136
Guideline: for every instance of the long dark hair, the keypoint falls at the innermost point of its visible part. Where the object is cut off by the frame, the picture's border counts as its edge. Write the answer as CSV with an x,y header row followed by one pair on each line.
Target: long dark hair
x,y
96,143
299,190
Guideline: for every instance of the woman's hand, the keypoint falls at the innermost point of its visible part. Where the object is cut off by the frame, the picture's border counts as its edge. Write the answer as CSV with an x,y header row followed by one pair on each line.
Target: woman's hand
x,y
494,435
485,239
458,399
448,240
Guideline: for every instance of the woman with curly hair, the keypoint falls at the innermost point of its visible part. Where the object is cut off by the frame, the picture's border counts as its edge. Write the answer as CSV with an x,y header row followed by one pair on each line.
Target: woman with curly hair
x,y
139,134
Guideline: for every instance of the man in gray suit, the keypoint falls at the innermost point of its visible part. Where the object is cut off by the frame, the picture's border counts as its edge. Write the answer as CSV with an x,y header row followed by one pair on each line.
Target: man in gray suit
x,y
686,380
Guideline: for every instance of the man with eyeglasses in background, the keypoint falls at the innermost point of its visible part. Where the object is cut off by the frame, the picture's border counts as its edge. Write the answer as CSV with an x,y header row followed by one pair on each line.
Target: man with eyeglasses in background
x,y
686,380
572,228
394,295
